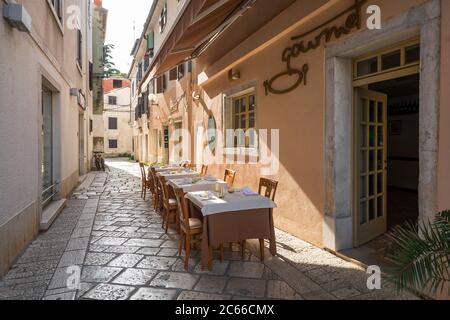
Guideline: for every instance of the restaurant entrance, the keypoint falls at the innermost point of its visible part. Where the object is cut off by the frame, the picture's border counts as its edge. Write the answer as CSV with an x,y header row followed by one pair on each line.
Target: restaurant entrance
x,y
386,141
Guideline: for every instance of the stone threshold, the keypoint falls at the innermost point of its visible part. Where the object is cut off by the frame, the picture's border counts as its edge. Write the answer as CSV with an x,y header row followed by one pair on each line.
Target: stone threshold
x,y
50,213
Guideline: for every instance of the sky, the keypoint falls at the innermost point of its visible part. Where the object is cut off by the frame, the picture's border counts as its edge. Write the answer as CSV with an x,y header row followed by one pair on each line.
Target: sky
x,y
122,15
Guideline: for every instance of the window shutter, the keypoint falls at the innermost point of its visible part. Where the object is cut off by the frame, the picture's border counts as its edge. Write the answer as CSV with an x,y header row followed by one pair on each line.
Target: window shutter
x,y
180,71
150,41
173,74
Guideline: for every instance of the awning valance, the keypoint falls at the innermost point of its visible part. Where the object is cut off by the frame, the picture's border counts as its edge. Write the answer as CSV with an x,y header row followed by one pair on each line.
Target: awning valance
x,y
195,26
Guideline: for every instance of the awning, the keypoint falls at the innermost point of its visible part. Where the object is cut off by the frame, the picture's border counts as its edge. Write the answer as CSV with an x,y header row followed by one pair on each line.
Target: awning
x,y
196,24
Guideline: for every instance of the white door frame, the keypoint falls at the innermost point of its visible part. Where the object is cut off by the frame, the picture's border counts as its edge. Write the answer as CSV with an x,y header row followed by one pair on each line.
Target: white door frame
x,y
423,20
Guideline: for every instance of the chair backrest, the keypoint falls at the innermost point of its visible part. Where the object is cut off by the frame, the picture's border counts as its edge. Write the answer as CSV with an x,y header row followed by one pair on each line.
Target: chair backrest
x,y
142,167
164,190
270,187
229,177
183,207
151,182
204,169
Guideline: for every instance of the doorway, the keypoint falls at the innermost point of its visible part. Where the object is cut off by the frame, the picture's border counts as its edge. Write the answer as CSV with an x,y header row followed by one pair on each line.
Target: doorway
x,y
81,140
47,147
387,114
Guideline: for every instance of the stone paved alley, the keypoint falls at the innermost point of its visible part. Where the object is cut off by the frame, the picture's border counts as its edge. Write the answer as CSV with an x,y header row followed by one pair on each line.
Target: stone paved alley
x,y
117,240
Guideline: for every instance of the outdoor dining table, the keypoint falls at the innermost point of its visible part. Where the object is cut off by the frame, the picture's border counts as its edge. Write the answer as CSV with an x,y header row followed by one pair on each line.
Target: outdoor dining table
x,y
190,184
178,174
165,169
235,217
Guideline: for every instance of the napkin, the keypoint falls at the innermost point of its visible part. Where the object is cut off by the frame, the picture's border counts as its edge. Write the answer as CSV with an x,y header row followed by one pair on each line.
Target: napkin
x,y
248,192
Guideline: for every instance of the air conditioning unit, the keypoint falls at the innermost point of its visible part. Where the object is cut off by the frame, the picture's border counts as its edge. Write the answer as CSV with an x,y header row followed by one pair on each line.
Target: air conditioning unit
x,y
17,16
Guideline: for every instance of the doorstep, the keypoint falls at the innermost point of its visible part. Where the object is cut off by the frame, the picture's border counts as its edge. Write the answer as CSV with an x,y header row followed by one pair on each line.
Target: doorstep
x,y
50,213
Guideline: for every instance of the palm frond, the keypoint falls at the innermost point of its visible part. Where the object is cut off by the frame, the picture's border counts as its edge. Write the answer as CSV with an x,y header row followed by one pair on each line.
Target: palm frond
x,y
421,255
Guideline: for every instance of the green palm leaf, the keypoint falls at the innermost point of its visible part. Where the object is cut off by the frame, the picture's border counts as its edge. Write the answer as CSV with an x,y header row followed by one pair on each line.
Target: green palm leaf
x,y
421,255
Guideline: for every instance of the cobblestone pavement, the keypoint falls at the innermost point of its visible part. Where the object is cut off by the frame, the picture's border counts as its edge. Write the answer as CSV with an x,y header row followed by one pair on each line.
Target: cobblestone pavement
x,y
116,240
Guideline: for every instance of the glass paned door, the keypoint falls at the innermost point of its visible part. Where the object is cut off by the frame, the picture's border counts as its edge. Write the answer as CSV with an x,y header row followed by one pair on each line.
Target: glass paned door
x,y
371,153
47,147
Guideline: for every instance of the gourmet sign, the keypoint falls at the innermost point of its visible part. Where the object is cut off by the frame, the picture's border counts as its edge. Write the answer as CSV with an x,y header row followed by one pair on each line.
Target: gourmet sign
x,y
301,46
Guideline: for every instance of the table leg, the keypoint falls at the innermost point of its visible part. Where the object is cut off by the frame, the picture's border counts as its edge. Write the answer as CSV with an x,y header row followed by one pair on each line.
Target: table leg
x,y
273,244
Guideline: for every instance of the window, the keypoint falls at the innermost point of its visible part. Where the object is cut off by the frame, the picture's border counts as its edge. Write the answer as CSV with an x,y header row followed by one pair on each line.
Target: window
x,y
117,84
163,19
112,123
91,123
402,57
173,74
91,76
244,118
161,84
180,71
112,100
80,48
113,144
58,7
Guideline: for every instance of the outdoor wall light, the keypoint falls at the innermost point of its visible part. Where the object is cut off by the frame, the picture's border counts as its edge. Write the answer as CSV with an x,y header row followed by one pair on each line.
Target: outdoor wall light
x,y
234,76
195,96
153,100
17,16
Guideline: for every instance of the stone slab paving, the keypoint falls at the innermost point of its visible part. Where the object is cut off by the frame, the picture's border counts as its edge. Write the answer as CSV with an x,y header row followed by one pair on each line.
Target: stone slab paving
x,y
112,240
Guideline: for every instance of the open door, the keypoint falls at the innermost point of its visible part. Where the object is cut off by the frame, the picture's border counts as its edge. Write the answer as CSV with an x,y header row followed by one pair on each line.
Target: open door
x,y
371,165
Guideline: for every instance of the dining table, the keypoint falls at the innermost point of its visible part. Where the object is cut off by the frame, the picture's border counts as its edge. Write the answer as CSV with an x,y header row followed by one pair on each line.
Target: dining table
x,y
235,217
205,183
178,174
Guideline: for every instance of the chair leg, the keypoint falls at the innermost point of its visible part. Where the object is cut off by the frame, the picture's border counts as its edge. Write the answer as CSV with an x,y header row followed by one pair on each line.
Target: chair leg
x,y
221,253
145,192
261,249
242,248
142,189
163,219
188,251
180,243
167,220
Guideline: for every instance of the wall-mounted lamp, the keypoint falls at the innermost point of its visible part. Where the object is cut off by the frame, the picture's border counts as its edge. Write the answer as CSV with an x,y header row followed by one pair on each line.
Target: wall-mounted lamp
x,y
195,96
153,100
17,16
233,76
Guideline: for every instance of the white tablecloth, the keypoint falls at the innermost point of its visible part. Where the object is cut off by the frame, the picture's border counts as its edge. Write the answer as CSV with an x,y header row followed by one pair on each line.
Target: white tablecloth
x,y
231,202
164,169
183,174
202,185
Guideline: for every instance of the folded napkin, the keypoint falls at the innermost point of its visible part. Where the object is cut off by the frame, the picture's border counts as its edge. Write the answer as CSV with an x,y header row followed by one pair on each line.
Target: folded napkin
x,y
248,192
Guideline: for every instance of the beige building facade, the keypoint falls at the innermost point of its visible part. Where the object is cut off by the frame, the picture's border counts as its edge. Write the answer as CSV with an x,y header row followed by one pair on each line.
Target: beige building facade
x,y
46,101
117,118
352,94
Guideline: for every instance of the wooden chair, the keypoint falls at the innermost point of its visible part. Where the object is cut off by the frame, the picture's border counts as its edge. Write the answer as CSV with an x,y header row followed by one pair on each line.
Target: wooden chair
x,y
189,227
144,181
170,206
229,177
270,187
156,188
204,169
151,186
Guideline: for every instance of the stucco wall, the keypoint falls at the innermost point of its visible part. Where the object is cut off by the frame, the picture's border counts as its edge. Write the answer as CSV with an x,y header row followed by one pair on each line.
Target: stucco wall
x,y
121,111
25,60
298,114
